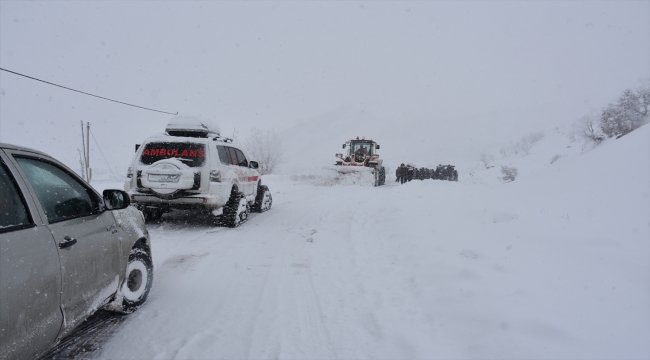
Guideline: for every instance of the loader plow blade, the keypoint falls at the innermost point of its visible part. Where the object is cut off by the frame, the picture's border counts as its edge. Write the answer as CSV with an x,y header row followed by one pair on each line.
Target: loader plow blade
x,y
348,175
352,175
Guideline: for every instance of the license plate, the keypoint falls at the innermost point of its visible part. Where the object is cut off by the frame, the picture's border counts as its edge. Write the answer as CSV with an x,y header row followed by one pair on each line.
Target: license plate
x,y
164,177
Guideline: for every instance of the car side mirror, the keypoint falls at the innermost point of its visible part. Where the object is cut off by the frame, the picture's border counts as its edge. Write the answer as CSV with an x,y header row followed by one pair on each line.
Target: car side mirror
x,y
116,199
377,146
253,165
344,146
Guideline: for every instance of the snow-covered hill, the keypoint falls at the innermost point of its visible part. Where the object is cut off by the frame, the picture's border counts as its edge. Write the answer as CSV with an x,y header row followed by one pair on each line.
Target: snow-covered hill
x,y
422,139
553,265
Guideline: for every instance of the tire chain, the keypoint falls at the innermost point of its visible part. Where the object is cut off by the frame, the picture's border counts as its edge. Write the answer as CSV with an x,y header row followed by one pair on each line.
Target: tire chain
x,y
257,206
230,212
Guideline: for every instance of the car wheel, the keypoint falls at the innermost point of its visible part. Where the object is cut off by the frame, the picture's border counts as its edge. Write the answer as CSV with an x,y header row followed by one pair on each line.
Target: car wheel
x,y
138,280
152,214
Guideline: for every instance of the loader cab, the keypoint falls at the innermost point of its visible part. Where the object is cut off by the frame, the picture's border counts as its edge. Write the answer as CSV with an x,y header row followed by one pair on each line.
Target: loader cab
x,y
366,147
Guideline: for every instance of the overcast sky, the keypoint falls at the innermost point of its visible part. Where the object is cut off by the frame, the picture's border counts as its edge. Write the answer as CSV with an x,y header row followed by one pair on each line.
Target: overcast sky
x,y
276,64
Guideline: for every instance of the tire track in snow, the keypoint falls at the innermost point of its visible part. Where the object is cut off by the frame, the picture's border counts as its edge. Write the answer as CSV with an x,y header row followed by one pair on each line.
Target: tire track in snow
x,y
338,275
289,321
216,315
365,287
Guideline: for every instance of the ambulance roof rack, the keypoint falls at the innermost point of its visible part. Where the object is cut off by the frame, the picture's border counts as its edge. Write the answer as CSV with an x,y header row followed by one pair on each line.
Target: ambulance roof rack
x,y
192,126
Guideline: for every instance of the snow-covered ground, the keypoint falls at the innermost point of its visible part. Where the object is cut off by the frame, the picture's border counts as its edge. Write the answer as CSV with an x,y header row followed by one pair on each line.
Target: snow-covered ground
x,y
553,265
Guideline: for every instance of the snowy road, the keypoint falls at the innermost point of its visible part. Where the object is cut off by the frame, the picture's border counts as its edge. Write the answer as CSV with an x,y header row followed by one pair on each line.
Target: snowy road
x,y
543,267
430,269
264,290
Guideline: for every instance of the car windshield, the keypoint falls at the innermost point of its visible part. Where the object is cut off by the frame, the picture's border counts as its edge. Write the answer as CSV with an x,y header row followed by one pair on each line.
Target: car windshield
x,y
191,154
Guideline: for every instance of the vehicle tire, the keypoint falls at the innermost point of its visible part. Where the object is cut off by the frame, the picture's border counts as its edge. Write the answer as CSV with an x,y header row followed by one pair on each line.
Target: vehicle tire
x,y
382,176
236,210
264,200
152,214
138,280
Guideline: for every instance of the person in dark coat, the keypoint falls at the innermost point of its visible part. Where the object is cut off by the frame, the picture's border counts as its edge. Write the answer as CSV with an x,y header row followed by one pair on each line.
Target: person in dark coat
x,y
401,173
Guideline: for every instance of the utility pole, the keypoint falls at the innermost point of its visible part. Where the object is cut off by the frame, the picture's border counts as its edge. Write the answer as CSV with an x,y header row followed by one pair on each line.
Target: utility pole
x,y
86,171
89,171
82,159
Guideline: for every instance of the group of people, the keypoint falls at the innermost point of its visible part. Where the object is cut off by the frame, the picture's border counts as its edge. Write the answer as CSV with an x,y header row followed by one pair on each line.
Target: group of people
x,y
406,173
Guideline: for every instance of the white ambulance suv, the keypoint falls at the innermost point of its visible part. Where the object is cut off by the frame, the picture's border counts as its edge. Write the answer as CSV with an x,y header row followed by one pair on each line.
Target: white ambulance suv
x,y
191,166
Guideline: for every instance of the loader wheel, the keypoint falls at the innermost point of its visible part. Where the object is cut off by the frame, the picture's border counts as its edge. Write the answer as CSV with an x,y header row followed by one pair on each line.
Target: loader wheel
x,y
376,173
380,176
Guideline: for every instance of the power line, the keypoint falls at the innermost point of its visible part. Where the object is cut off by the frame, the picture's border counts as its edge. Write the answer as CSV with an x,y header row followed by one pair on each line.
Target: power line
x,y
67,88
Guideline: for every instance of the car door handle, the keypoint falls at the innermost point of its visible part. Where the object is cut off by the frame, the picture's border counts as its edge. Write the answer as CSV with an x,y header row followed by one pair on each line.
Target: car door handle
x,y
112,229
67,242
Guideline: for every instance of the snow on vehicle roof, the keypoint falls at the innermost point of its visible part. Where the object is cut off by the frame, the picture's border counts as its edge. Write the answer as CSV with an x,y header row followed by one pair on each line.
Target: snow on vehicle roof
x,y
193,124
163,137
174,139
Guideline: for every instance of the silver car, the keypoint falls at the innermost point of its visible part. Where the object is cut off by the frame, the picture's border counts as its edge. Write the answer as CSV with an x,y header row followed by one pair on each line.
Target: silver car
x,y
65,251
